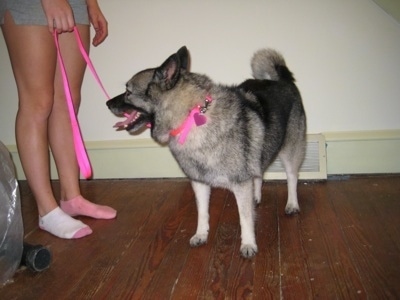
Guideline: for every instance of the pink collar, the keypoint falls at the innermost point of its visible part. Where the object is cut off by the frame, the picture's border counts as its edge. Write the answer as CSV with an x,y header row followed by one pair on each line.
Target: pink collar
x,y
195,117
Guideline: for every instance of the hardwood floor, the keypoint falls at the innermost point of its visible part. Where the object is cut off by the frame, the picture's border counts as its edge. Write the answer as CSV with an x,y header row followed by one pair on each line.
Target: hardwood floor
x,y
345,244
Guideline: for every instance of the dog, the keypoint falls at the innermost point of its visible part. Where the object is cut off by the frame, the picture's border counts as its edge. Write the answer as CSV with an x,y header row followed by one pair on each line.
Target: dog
x,y
222,136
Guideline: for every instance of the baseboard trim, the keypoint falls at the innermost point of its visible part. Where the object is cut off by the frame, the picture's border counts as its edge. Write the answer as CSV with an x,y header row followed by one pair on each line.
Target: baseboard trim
x,y
361,152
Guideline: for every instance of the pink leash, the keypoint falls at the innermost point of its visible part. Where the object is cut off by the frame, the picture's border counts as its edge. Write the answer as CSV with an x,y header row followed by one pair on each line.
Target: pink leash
x,y
80,151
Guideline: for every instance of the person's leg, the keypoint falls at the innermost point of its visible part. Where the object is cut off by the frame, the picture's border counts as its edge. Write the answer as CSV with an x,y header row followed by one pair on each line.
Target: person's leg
x,y
60,133
33,60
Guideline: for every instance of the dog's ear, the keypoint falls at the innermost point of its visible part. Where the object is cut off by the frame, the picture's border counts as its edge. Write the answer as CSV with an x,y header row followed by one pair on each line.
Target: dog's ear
x,y
183,55
168,73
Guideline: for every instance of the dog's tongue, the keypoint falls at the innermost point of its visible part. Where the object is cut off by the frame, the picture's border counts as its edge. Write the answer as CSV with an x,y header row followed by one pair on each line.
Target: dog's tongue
x,y
129,118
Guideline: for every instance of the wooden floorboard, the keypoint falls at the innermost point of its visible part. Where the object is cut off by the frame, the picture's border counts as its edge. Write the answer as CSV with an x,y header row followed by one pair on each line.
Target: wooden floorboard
x,y
345,244
366,235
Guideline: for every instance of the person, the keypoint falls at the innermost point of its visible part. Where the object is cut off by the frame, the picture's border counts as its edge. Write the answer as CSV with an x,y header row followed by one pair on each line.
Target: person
x,y
42,119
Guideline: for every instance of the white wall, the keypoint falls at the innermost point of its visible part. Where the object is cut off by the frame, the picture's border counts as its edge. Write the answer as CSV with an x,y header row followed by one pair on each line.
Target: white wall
x,y
344,54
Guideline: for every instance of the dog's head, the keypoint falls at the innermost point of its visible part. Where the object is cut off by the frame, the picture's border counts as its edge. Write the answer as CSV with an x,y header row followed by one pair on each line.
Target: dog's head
x,y
136,103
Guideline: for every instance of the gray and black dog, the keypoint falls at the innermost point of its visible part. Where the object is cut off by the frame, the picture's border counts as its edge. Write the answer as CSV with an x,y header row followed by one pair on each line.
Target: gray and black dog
x,y
222,136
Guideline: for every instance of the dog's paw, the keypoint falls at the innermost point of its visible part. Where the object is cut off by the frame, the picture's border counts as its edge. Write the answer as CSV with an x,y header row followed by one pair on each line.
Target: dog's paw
x,y
248,250
198,240
292,210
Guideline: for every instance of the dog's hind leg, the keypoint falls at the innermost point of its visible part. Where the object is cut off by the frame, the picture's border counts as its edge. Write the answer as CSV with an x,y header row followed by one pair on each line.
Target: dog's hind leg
x,y
257,182
292,160
292,155
244,198
202,193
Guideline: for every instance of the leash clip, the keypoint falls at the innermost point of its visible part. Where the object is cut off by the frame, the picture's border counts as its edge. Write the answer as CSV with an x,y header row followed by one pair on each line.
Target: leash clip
x,y
207,103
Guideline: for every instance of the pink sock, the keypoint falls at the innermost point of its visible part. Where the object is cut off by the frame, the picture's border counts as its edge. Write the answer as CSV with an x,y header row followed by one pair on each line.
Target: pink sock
x,y
62,225
79,206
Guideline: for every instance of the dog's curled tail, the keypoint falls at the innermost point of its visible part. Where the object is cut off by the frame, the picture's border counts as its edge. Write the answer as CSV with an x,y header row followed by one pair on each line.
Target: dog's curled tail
x,y
270,64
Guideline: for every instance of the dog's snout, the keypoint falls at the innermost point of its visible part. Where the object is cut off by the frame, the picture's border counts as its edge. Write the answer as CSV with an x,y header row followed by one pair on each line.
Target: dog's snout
x,y
111,103
115,101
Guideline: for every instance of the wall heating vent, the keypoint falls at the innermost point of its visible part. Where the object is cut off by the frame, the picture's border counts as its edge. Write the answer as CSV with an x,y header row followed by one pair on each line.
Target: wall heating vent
x,y
314,165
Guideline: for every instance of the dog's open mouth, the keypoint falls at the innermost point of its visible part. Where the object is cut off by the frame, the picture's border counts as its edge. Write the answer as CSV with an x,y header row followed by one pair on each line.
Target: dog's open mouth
x,y
131,118
135,117
134,121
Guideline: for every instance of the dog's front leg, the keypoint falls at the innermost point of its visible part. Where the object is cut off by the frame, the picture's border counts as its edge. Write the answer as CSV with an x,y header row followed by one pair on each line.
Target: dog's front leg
x,y
244,198
202,193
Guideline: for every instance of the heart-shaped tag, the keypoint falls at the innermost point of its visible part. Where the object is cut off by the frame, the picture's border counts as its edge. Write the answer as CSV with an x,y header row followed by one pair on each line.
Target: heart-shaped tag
x,y
199,119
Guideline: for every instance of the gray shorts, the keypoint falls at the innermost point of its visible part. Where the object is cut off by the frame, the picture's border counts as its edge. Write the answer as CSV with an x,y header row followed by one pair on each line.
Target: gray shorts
x,y
30,12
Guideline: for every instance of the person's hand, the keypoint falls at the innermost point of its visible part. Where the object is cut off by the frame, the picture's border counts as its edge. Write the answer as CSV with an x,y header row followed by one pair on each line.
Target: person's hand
x,y
59,15
98,21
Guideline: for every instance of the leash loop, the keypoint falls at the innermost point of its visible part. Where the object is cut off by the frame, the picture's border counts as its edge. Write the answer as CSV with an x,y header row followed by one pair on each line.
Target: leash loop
x,y
80,150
